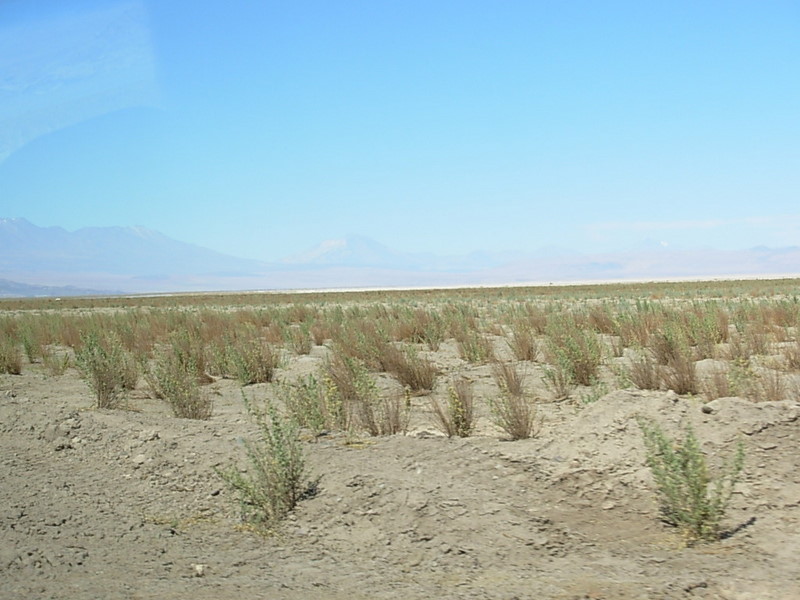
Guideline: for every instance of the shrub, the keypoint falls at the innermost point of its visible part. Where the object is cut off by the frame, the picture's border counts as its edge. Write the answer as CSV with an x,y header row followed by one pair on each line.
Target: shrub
x,y
515,414
253,361
298,338
313,404
277,478
575,350
644,373
474,347
106,367
57,364
680,375
10,356
523,342
559,381
172,380
412,370
689,497
509,378
457,418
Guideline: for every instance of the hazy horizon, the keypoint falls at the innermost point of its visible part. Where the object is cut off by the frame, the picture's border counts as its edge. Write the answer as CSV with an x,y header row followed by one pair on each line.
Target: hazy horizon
x,y
261,131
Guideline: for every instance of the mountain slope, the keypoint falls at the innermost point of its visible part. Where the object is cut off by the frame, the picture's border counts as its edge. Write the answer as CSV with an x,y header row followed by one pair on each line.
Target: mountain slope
x,y
132,251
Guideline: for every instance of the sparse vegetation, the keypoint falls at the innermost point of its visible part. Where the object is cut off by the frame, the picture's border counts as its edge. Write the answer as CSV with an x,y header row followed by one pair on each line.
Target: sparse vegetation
x,y
689,497
106,367
277,477
457,417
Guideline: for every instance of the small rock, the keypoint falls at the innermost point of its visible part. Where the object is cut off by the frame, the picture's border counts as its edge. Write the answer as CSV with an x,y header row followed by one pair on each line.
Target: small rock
x,y
199,570
139,459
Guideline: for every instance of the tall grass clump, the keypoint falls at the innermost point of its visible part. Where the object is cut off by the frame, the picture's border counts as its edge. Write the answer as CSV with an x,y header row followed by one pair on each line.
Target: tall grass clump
x,y
277,476
106,367
457,417
689,497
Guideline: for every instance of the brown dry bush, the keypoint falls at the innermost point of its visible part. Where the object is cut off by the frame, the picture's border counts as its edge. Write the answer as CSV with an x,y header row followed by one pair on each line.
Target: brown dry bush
x,y
644,373
412,370
522,342
717,385
515,414
680,375
769,386
457,417
791,353
509,377
298,338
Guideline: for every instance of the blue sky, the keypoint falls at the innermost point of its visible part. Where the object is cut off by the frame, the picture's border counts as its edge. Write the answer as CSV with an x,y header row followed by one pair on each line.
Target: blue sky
x,y
263,128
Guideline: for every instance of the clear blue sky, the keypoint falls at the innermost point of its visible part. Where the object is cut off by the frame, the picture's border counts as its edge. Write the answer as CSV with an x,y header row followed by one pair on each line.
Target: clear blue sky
x,y
262,128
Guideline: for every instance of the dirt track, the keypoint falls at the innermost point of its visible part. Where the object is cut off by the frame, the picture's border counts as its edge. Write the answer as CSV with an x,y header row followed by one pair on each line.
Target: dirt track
x,y
126,504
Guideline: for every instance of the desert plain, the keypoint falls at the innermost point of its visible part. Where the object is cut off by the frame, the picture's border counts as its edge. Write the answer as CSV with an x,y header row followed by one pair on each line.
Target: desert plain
x,y
125,499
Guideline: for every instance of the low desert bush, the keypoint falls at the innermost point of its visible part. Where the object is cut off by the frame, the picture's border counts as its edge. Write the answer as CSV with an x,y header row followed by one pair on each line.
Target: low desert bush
x,y
253,360
170,379
522,342
575,350
680,375
276,478
717,384
768,385
644,373
474,347
313,403
457,417
298,338
412,370
10,356
57,362
791,353
689,497
350,386
515,414
559,381
509,377
106,367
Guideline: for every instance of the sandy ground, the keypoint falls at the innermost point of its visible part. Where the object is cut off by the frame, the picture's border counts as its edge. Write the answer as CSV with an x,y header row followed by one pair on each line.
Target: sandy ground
x,y
126,504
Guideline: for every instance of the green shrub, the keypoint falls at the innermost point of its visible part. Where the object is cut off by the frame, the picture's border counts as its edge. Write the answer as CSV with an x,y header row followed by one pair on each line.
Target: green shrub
x,y
457,418
10,356
106,366
577,351
253,361
689,497
171,379
313,403
277,477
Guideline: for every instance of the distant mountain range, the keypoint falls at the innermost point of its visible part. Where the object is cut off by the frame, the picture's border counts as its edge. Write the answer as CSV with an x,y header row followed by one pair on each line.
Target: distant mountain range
x,y
54,262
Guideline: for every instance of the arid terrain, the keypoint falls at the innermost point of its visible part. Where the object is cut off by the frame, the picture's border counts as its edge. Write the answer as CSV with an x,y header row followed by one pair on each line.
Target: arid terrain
x,y
127,502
